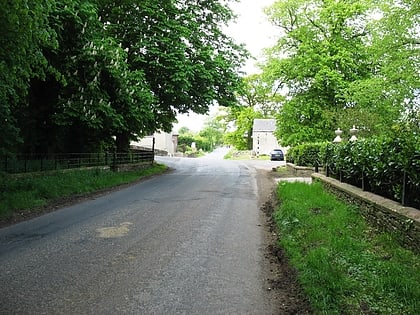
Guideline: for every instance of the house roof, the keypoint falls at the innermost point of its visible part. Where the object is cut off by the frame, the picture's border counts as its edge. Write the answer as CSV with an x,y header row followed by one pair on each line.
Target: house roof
x,y
264,125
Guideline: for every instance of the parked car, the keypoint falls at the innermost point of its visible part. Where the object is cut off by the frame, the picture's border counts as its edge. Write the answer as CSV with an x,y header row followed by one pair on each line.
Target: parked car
x,y
277,155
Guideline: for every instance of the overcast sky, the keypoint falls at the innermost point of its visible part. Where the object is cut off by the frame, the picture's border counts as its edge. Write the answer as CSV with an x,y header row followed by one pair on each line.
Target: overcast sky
x,y
252,29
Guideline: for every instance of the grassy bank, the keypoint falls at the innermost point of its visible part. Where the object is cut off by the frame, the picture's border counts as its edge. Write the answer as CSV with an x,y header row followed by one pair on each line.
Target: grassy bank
x,y
344,265
243,155
30,192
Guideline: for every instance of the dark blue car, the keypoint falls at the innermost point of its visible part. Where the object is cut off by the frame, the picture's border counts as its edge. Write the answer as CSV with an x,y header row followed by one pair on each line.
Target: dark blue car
x,y
277,155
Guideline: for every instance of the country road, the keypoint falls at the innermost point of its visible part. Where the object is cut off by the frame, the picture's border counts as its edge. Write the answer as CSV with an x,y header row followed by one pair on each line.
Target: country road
x,y
190,241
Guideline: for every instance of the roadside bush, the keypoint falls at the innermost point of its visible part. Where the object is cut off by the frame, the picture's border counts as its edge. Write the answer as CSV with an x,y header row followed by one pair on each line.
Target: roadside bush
x,y
186,140
307,154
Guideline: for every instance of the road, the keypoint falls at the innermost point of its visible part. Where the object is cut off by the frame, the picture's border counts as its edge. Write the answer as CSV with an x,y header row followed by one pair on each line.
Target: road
x,y
186,242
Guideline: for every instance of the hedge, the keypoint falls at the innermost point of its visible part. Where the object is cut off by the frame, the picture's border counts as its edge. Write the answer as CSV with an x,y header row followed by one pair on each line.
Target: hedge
x,y
387,165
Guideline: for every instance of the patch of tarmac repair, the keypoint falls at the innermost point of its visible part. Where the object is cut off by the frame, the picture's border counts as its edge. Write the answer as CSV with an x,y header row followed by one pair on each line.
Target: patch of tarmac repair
x,y
114,231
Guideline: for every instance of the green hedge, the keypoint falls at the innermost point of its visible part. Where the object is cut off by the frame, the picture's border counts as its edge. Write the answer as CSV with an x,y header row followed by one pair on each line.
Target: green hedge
x,y
379,164
307,154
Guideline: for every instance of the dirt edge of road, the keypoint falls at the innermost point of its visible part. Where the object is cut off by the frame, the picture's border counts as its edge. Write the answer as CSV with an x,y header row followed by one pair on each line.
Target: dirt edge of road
x,y
281,278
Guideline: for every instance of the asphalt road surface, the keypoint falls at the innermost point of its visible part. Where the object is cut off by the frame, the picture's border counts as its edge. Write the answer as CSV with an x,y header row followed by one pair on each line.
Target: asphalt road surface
x,y
186,242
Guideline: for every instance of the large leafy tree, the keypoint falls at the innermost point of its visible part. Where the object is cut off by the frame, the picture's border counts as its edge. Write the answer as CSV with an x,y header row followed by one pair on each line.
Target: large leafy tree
x,y
259,93
102,96
100,68
213,132
24,31
188,62
243,118
394,47
321,53
343,63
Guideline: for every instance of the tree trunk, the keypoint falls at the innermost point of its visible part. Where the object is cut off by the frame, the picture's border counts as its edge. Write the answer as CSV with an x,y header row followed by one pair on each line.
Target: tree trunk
x,y
249,139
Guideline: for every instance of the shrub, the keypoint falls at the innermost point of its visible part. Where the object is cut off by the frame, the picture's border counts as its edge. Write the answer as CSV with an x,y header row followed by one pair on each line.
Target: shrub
x,y
381,163
307,154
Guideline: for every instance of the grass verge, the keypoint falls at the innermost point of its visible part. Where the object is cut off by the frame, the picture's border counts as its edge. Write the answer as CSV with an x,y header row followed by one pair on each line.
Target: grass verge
x,y
28,192
344,265
243,155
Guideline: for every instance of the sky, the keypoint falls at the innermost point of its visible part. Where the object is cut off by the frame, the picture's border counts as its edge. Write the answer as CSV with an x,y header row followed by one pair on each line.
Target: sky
x,y
251,28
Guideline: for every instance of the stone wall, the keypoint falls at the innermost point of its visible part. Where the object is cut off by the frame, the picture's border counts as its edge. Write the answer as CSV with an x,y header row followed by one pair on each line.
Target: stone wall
x,y
382,213
132,167
300,170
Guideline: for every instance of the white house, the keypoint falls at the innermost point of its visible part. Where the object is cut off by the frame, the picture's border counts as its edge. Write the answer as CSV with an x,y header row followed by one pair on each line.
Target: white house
x,y
164,142
263,139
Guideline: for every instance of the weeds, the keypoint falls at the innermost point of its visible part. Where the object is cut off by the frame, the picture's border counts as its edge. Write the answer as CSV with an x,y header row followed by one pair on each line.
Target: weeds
x,y
24,193
344,265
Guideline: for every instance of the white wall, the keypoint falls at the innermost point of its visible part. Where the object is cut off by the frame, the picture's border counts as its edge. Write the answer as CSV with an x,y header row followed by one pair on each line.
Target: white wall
x,y
163,141
264,142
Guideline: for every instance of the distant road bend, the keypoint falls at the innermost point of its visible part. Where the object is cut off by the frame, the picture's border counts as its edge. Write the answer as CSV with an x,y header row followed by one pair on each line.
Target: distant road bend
x,y
186,242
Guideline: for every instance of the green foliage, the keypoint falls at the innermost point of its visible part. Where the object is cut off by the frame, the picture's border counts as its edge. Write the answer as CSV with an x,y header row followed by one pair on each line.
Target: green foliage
x,y
26,193
75,74
343,63
308,154
257,92
344,266
207,139
256,99
212,134
184,130
186,139
185,142
243,117
24,31
381,161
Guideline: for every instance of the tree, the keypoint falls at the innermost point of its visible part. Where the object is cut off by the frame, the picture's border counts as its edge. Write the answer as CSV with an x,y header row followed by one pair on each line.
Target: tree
x,y
24,32
338,62
256,99
188,62
212,132
394,47
78,107
184,130
97,69
259,93
321,53
241,137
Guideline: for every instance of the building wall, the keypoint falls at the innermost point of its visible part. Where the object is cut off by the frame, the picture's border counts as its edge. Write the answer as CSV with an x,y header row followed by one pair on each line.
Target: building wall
x,y
264,142
163,142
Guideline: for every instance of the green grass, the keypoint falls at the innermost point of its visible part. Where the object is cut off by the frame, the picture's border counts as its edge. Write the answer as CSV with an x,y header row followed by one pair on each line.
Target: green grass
x,y
28,192
344,265
243,155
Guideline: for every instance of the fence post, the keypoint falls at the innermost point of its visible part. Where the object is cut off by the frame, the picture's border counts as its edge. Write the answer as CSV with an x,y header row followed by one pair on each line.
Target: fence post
x,y
114,161
363,179
404,190
153,150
